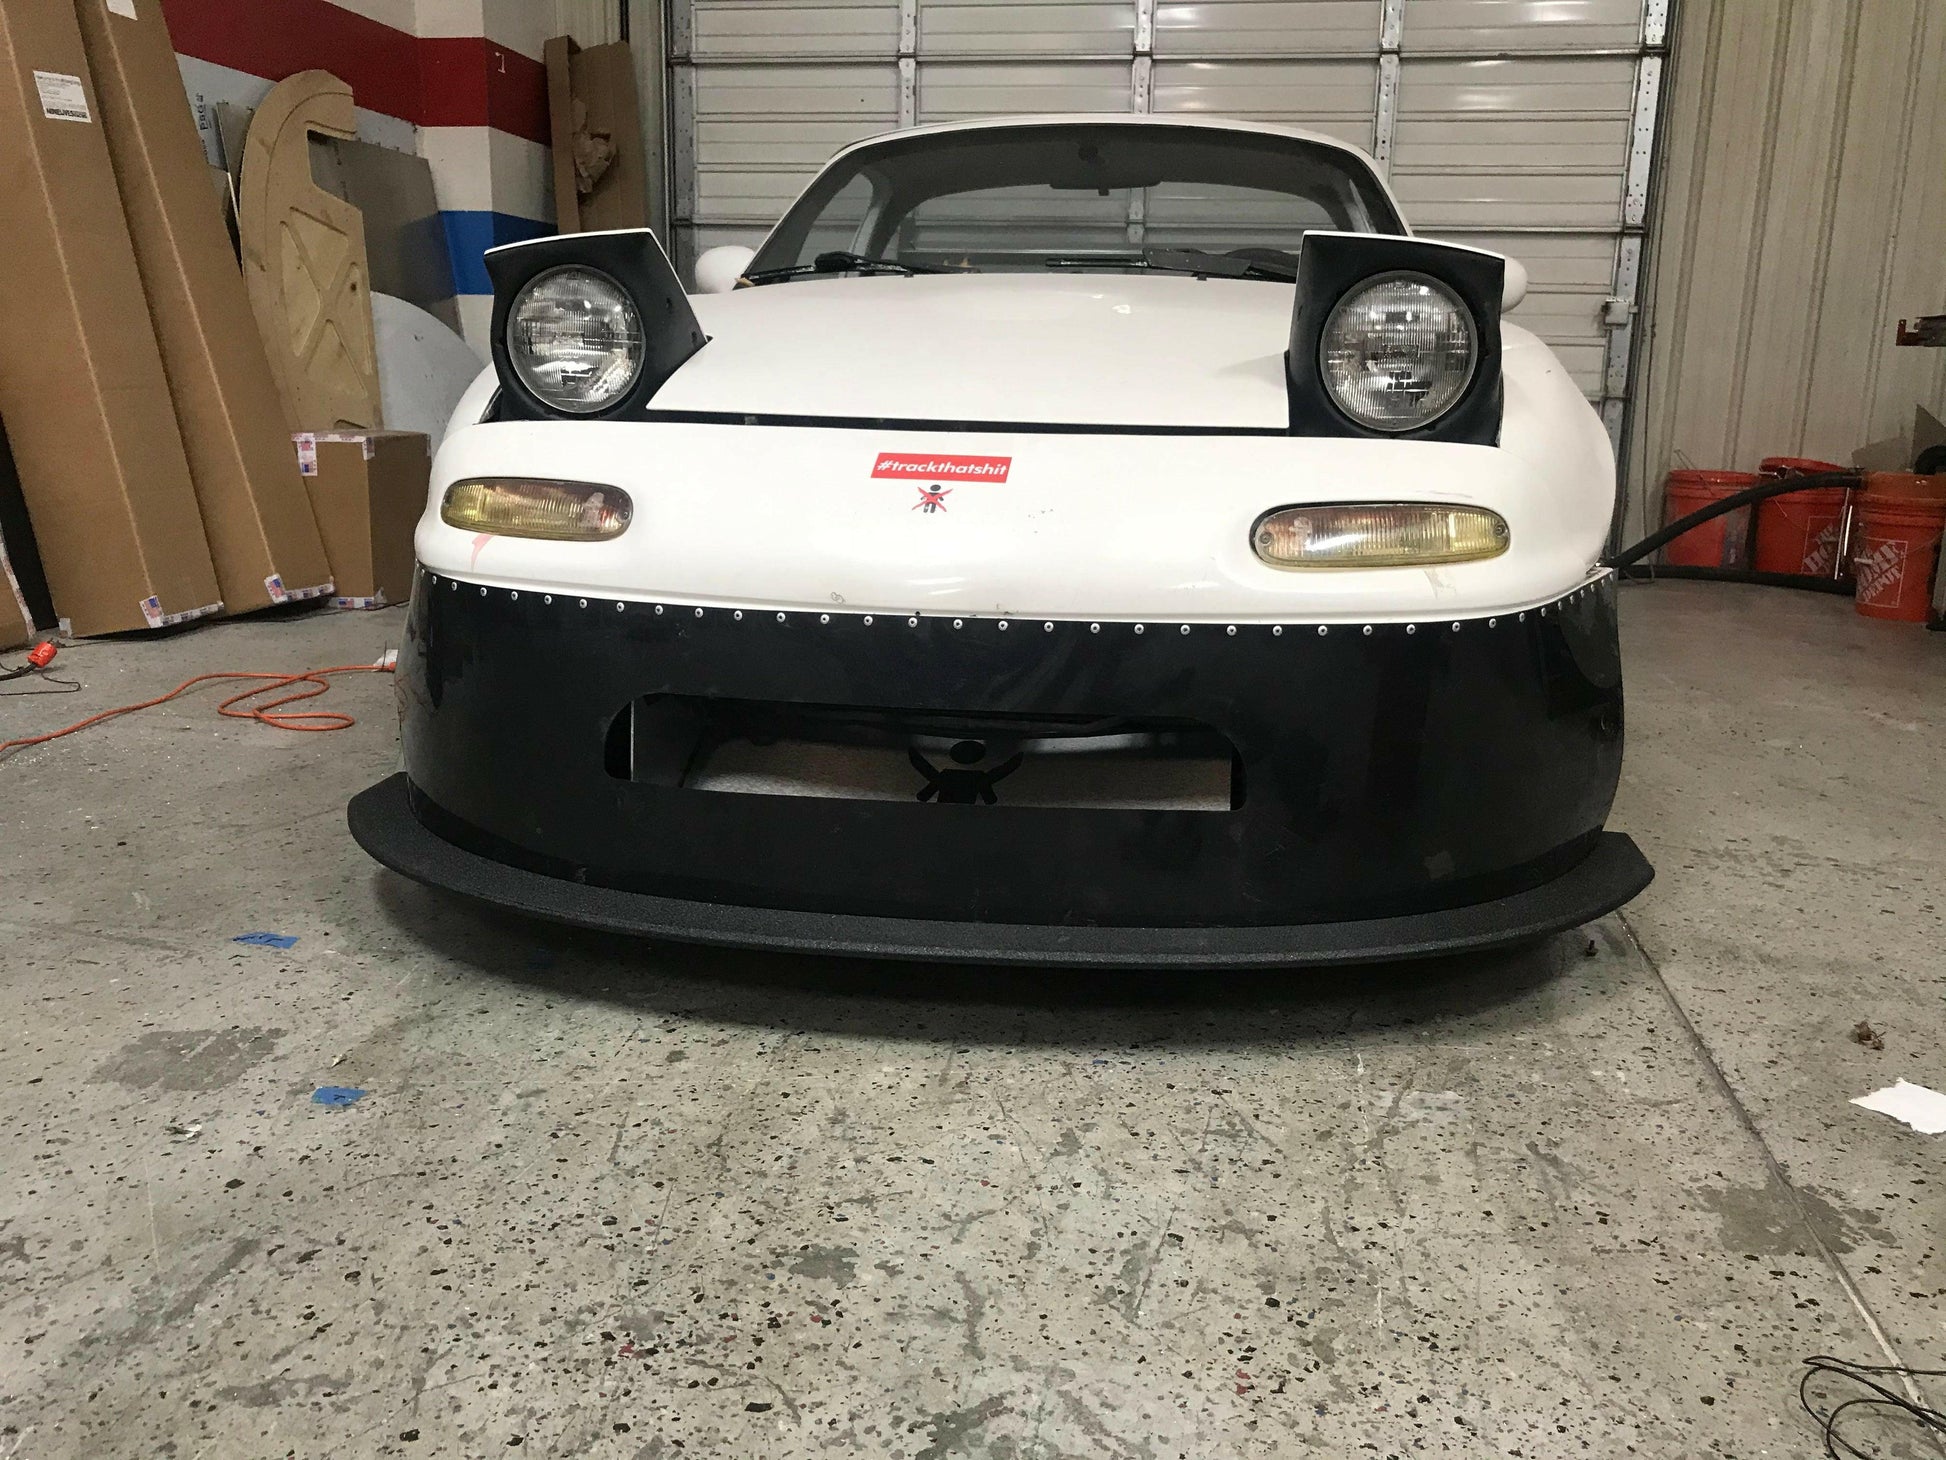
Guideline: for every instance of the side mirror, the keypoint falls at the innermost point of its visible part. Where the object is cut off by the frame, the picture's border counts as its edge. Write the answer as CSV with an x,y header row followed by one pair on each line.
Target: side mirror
x,y
1514,289
719,268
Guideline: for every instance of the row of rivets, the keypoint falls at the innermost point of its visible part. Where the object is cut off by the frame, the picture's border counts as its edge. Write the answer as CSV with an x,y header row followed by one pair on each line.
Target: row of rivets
x,y
1457,625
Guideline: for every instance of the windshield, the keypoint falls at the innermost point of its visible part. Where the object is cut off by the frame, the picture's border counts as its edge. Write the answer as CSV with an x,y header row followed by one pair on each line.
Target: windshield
x,y
1075,195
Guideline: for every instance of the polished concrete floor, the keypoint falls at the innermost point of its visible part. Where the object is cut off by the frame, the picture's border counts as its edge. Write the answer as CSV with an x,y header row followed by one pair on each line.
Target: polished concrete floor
x,y
602,1199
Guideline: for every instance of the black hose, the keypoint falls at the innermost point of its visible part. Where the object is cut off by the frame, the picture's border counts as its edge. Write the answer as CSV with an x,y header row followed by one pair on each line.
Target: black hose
x,y
1763,491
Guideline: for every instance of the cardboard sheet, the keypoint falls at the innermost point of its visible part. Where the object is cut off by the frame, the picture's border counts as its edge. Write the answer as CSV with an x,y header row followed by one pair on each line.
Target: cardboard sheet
x,y
82,388
255,511
369,489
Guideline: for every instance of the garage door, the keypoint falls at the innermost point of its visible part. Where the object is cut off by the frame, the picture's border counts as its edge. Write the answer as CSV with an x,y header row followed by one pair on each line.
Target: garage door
x,y
1524,126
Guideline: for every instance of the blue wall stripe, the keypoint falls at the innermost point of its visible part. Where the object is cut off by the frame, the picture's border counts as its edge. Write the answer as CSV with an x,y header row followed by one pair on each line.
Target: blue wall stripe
x,y
470,234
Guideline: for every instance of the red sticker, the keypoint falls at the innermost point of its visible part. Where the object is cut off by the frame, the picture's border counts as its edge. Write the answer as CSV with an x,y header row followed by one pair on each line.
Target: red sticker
x,y
899,466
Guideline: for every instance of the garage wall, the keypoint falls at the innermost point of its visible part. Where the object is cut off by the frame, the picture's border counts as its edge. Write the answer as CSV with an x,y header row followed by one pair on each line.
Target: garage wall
x,y
458,81
1803,213
1517,125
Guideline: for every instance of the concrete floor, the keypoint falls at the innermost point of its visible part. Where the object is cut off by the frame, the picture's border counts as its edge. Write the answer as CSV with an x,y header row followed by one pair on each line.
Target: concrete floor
x,y
614,1200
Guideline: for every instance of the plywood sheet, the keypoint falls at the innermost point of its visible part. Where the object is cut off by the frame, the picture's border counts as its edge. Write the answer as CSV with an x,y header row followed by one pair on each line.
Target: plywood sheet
x,y
304,260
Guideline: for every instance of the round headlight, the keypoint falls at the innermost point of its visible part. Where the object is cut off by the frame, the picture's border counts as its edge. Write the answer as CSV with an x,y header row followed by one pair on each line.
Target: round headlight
x,y
1398,352
575,339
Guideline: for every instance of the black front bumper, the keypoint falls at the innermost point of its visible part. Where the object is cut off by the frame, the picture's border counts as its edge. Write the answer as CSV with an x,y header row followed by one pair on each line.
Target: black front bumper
x,y
1409,790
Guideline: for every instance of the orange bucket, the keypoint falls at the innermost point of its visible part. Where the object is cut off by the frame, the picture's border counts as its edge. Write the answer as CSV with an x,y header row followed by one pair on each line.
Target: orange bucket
x,y
1800,533
1718,543
1907,485
1898,550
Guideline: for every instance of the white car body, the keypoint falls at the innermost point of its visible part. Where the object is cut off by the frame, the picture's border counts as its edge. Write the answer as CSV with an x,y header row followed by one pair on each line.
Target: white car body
x,y
941,619
1095,524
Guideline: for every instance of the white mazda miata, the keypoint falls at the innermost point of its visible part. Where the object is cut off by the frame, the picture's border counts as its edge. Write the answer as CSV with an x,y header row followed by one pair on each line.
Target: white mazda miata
x,y
1066,540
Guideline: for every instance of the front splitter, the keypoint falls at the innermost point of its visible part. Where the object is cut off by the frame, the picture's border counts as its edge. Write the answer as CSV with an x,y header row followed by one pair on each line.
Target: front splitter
x,y
383,823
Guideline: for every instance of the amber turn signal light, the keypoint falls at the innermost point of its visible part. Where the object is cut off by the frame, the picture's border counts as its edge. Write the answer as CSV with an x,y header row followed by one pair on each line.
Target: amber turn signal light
x,y
1378,535
532,507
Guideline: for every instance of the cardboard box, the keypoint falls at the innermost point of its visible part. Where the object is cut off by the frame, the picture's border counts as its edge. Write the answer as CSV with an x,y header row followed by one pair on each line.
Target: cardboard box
x,y
368,489
256,513
80,378
15,628
81,384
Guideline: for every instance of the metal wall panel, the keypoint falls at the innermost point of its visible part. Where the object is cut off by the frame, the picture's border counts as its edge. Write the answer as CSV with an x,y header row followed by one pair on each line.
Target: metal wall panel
x,y
1290,28
1333,97
794,29
763,131
1535,142
1524,25
1000,28
1801,216
986,89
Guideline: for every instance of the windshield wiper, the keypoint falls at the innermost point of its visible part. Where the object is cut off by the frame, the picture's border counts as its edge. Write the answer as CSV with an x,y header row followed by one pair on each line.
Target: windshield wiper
x,y
1180,261
837,261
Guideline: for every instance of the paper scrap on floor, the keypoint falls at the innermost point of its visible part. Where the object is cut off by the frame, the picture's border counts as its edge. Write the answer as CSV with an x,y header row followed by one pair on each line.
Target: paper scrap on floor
x,y
1922,1109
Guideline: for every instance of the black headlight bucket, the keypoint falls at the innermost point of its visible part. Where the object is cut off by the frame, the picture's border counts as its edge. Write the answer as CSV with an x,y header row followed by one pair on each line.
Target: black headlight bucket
x,y
1336,264
633,259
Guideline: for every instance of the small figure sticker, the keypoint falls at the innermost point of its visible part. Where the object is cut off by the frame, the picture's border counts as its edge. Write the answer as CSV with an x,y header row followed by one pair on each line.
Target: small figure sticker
x,y
932,498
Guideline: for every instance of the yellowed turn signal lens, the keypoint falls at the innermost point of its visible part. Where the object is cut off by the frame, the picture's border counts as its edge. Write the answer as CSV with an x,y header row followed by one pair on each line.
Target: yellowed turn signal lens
x,y
529,507
1378,535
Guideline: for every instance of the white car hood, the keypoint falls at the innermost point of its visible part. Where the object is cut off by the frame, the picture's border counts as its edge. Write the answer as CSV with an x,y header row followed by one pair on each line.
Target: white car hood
x,y
1061,349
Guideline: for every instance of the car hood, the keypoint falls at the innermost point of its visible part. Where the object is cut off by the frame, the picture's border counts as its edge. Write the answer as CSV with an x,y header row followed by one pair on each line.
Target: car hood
x,y
1066,349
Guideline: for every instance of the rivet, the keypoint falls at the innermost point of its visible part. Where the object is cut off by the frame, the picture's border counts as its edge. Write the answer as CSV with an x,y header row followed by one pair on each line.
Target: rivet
x,y
737,614
824,618
1048,627
1412,628
1368,630
1185,628
1138,628
868,620
1094,628
1231,631
780,618
1003,626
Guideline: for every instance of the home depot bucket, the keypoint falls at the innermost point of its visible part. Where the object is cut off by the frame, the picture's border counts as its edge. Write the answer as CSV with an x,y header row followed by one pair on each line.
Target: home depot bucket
x,y
1800,533
1718,543
1898,553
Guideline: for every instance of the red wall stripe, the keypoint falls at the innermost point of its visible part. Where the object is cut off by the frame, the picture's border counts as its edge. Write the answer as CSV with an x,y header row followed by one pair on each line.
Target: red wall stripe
x,y
471,82
463,81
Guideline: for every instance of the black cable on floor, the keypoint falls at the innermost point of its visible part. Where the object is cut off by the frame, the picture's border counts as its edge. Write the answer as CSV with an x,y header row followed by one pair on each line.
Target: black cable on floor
x,y
34,671
1880,1400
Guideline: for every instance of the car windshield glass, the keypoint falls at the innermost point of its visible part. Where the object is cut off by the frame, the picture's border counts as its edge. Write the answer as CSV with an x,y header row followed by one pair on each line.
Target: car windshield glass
x,y
1079,195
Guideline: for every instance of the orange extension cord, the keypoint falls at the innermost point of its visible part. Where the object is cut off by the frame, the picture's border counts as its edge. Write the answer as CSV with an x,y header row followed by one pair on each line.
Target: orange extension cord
x,y
267,714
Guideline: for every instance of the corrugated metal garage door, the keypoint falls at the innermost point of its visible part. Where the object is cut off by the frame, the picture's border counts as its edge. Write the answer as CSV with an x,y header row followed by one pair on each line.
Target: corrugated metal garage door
x,y
1525,126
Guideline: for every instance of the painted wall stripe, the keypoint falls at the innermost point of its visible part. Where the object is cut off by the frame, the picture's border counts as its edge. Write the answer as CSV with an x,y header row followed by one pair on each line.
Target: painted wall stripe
x,y
482,169
441,81
470,234
468,81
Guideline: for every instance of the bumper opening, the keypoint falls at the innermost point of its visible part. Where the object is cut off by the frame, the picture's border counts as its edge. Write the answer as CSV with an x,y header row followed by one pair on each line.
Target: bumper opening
x,y
871,753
